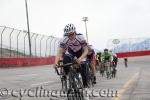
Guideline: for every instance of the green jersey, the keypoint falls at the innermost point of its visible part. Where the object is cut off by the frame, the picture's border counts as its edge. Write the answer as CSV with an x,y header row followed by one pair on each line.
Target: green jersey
x,y
106,56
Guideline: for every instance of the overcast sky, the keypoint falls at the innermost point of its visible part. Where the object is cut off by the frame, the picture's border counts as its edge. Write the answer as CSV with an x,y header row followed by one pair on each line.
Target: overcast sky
x,y
108,19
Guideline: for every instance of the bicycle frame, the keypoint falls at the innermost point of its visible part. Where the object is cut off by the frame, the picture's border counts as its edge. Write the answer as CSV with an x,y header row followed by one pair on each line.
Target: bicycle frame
x,y
75,84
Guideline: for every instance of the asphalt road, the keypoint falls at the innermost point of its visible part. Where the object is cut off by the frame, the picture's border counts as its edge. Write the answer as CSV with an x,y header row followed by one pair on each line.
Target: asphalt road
x,y
42,83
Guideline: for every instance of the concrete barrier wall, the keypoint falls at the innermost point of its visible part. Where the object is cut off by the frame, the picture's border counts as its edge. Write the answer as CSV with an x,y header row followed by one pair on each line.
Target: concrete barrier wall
x,y
136,59
20,62
133,54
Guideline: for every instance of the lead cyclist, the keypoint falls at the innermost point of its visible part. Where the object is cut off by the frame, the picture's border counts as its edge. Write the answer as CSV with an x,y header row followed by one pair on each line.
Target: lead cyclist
x,y
75,45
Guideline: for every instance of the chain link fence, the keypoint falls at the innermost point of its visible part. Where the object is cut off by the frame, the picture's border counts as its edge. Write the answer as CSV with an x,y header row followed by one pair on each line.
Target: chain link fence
x,y
14,43
129,45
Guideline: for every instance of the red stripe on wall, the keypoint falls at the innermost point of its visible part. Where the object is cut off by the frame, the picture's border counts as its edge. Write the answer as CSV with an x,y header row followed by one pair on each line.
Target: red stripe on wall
x,y
19,62
133,54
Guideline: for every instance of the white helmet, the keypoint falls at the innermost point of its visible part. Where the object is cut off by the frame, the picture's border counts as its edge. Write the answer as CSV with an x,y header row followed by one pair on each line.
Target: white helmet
x,y
68,29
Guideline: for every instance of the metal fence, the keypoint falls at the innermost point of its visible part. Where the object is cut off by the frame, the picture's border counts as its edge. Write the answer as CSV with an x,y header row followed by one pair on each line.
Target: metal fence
x,y
129,45
14,43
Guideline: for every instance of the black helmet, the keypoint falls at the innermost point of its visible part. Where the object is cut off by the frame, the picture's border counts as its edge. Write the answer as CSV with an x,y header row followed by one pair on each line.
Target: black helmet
x,y
105,49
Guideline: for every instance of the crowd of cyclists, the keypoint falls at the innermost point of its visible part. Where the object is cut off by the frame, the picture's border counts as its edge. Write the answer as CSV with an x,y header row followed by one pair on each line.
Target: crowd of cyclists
x,y
74,47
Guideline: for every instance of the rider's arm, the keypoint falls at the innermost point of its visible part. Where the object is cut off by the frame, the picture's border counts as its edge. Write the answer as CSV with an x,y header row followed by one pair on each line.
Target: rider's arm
x,y
85,48
102,56
84,54
61,50
59,55
111,56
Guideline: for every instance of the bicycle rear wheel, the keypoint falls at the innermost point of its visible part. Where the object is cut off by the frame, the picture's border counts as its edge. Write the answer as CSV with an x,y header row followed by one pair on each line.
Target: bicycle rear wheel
x,y
102,70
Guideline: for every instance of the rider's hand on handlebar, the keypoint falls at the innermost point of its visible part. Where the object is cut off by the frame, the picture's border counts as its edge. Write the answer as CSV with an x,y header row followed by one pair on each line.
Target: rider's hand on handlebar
x,y
79,60
55,66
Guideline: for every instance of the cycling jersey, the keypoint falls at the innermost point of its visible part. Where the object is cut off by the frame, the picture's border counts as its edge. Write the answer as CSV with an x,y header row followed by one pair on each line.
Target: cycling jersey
x,y
106,56
73,46
90,54
115,58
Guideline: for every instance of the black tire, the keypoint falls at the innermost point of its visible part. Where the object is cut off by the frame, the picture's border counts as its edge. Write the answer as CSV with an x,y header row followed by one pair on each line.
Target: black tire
x,y
101,70
75,95
89,76
64,83
75,88
114,73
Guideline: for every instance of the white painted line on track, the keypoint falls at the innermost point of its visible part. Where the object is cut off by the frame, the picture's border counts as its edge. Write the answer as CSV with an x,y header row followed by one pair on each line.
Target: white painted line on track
x,y
17,76
41,83
24,75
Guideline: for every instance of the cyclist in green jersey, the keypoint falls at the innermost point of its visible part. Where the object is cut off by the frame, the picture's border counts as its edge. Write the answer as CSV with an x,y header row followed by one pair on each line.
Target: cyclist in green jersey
x,y
106,55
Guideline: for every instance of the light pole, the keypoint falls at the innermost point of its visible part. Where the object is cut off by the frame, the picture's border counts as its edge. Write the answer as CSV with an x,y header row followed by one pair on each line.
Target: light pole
x,y
85,19
28,26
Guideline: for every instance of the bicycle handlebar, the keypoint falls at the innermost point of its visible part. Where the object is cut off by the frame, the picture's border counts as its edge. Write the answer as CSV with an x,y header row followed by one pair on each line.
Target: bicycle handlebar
x,y
57,71
68,64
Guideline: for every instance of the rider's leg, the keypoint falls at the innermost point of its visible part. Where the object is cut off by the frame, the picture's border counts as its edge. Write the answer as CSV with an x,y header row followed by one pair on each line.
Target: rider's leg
x,y
93,68
83,69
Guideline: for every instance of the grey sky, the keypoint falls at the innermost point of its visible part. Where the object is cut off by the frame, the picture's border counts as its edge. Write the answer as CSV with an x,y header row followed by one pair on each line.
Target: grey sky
x,y
108,19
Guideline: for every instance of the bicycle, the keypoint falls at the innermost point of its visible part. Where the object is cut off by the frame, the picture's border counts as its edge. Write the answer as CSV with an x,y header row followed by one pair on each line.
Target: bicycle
x,y
114,71
108,69
102,69
62,75
75,88
90,75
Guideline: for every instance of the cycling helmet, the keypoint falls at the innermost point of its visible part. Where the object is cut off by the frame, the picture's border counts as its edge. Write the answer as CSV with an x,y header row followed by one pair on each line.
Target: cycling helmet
x,y
115,55
69,28
105,49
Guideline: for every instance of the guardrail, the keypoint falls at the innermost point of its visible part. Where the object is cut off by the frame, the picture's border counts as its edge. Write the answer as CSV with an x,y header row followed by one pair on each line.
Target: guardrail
x,y
16,42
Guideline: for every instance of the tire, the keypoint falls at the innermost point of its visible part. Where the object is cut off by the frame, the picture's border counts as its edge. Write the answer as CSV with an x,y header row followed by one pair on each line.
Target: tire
x,y
64,83
75,95
101,70
75,85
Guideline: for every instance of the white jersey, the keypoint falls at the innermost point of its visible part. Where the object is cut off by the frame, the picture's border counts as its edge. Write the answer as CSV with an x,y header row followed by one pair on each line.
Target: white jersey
x,y
74,45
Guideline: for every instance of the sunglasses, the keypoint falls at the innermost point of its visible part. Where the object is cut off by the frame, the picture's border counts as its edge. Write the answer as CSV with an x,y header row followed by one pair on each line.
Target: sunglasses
x,y
71,34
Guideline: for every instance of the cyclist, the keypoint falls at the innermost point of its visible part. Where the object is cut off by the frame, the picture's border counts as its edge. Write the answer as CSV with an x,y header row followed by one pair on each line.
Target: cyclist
x,y
115,59
106,55
73,45
98,58
126,62
91,58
